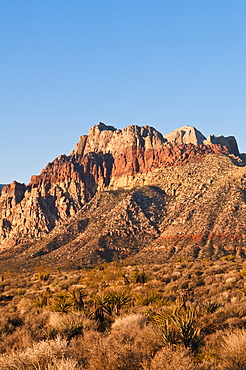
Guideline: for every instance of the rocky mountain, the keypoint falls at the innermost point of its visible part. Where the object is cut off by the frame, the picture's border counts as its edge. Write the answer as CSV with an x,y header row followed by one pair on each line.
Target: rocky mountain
x,y
130,192
1,186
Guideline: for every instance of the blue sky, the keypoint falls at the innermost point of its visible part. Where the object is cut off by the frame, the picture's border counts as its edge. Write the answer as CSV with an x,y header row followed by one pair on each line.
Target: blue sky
x,y
66,65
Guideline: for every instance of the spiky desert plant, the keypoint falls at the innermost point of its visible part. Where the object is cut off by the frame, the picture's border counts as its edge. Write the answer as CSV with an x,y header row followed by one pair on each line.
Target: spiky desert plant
x,y
43,276
41,299
140,277
102,309
118,300
164,328
178,326
64,325
77,299
61,303
185,321
211,307
151,297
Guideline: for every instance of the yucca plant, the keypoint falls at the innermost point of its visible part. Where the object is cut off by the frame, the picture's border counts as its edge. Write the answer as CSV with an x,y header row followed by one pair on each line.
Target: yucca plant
x,y
76,297
178,326
112,302
43,276
148,298
102,308
117,300
140,277
61,303
164,329
41,299
69,327
185,321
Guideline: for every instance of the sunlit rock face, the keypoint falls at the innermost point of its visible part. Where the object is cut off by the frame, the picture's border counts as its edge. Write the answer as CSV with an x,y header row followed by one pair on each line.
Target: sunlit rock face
x,y
186,135
228,142
105,159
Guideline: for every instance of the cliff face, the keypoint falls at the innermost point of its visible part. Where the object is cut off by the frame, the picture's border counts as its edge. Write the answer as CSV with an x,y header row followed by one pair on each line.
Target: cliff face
x,y
105,159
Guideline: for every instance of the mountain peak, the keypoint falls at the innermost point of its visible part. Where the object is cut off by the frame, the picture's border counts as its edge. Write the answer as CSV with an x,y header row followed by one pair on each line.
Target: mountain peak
x,y
107,159
185,135
102,127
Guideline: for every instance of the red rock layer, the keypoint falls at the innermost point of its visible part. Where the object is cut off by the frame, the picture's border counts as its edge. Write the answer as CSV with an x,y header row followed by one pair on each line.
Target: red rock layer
x,y
67,183
135,160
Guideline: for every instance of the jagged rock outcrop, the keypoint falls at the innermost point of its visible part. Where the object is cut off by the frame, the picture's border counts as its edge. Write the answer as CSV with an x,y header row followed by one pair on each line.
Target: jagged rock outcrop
x,y
229,142
1,186
108,159
186,135
107,139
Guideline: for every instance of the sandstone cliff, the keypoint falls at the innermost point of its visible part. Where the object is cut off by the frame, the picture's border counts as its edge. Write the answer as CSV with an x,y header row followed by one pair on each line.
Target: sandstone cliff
x,y
1,186
112,160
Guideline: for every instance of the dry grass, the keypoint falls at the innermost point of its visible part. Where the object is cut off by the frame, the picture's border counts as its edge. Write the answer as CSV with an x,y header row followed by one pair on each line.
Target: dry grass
x,y
40,356
33,336
171,358
232,350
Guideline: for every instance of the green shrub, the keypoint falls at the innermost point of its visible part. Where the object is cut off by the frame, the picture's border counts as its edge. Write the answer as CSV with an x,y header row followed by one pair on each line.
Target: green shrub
x,y
61,303
41,299
140,277
42,276
229,257
178,326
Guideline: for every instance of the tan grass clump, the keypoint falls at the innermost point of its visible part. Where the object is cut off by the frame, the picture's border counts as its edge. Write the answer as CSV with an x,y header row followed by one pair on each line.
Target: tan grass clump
x,y
39,356
171,358
233,350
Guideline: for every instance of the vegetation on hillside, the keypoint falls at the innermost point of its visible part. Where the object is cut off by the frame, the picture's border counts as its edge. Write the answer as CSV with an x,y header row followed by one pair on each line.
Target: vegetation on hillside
x,y
180,315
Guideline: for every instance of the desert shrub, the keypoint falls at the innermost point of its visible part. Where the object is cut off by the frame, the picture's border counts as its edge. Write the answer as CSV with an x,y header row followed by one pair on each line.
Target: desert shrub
x,y
229,257
41,299
166,279
19,339
178,325
83,347
140,277
61,303
42,276
39,356
128,344
128,326
77,299
134,331
151,297
232,350
64,364
114,354
8,323
224,316
64,325
174,358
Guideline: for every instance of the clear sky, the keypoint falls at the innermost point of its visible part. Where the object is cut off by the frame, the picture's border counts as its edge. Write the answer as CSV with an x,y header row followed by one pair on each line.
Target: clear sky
x,y
65,65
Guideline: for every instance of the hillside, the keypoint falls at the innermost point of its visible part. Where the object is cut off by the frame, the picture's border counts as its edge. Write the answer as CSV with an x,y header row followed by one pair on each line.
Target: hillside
x,y
183,315
130,192
127,254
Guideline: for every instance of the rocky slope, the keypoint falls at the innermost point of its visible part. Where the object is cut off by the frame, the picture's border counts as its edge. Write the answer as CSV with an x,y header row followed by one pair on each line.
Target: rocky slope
x,y
1,186
127,191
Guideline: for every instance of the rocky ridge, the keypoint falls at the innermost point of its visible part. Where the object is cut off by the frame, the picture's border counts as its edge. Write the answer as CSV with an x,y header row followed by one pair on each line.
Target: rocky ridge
x,y
1,186
108,162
